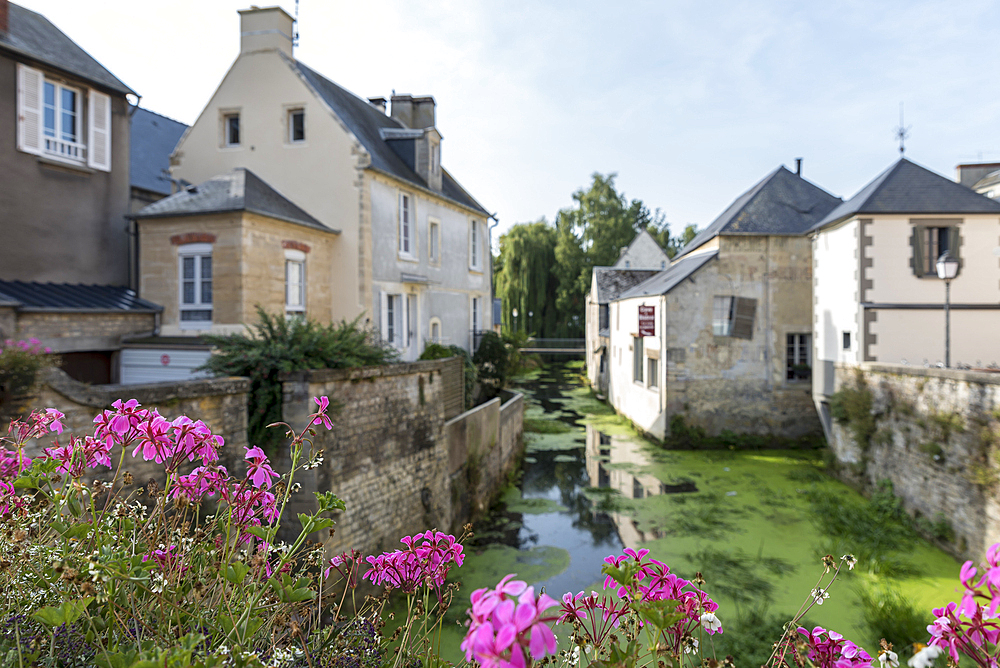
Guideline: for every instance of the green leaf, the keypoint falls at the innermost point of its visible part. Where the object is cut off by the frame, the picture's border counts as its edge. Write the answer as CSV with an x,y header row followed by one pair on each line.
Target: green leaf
x,y
260,532
311,523
237,572
67,613
329,501
658,613
79,530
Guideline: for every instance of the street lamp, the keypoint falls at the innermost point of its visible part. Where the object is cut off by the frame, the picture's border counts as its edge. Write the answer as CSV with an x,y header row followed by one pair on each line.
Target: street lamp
x,y
514,313
947,267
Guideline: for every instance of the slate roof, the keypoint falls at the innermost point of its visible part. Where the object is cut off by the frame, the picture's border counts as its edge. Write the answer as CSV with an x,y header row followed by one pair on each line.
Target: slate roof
x,y
32,35
152,140
906,187
239,190
367,124
73,297
612,281
780,204
666,280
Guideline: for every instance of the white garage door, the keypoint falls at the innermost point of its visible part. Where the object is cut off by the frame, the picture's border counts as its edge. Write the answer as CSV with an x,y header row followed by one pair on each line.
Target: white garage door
x,y
155,365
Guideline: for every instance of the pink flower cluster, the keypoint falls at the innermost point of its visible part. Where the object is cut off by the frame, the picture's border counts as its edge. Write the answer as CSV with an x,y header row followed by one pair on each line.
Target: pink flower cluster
x,y
505,622
33,346
154,438
828,649
972,626
166,559
426,560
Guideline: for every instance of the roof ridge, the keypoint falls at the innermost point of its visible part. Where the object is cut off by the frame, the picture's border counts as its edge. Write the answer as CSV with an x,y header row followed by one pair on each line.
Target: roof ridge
x,y
156,113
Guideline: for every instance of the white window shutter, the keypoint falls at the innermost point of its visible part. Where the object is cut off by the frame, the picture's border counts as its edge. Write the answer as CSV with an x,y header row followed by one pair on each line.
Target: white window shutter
x,y
384,315
99,120
30,94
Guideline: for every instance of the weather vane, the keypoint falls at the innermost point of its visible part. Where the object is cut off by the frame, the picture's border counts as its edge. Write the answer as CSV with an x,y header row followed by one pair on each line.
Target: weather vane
x,y
902,132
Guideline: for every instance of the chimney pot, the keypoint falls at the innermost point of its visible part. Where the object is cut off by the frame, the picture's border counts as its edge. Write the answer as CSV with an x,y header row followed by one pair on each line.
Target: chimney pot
x,y
266,29
4,17
798,166
378,102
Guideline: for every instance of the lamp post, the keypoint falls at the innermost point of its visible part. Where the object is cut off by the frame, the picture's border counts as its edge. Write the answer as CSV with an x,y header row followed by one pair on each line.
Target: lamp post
x,y
530,314
514,313
947,267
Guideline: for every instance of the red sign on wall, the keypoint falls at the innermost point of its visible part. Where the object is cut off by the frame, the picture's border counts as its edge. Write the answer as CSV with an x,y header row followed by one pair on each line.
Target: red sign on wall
x,y
647,321
164,360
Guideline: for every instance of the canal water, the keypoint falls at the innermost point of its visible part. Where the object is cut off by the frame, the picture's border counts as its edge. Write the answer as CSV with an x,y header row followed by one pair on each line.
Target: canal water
x,y
748,521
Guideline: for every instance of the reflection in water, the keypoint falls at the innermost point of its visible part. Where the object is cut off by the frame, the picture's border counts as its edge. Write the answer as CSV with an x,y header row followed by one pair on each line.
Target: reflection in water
x,y
561,476
612,462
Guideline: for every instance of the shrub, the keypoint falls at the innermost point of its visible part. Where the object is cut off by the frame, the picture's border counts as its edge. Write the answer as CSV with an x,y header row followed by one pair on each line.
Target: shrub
x,y
20,362
436,351
494,363
275,345
851,405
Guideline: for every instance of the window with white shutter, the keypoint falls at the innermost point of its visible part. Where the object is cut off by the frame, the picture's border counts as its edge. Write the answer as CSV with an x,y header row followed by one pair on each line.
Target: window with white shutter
x,y
99,119
29,109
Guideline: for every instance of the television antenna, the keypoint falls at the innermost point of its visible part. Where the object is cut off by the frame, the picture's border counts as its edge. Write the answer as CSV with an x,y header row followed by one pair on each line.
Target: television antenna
x,y
902,132
295,29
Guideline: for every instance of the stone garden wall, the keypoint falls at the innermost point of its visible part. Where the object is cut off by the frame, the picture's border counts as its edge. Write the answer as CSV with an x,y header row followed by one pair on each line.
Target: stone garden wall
x,y
392,457
935,434
220,402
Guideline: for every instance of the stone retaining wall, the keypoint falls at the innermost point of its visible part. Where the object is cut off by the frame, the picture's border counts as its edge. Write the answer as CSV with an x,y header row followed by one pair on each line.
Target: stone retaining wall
x,y
219,402
391,456
936,435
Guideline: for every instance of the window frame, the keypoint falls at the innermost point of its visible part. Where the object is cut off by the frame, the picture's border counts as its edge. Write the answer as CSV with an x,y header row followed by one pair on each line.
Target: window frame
x,y
722,304
475,311
924,261
431,324
58,112
652,373
198,252
798,350
295,257
637,360
290,122
433,245
227,115
475,261
405,226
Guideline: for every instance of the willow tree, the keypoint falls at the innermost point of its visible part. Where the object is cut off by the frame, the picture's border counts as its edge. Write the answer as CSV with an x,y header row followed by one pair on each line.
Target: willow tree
x,y
524,278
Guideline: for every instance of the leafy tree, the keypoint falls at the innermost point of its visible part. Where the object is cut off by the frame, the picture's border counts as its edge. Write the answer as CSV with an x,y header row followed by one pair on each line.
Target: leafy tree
x,y
545,269
275,345
669,243
524,277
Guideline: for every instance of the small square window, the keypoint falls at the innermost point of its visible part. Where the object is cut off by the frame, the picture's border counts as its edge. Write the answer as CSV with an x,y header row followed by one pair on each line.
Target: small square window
x,y
231,129
847,340
296,125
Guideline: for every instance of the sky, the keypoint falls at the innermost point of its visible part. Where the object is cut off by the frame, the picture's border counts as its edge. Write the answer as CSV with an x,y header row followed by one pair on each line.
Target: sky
x,y
690,103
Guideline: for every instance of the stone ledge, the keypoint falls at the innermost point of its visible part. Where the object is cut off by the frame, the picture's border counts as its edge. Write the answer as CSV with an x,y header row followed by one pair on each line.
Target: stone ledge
x,y
364,372
101,396
984,377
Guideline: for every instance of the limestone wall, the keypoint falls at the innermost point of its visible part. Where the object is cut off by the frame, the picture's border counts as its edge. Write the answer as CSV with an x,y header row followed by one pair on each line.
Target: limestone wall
x,y
393,458
220,402
935,436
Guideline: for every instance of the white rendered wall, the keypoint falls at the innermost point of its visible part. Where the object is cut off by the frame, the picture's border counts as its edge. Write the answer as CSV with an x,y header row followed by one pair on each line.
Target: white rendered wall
x,y
452,282
835,293
636,401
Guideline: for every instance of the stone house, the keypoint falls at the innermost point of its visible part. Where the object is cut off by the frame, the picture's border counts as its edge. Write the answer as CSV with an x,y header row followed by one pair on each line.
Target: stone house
x,y
643,253
722,337
66,262
877,297
211,253
606,283
413,253
642,258
983,177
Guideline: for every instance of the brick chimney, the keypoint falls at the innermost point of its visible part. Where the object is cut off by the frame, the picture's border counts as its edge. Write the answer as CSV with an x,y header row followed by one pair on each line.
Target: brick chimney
x,y
265,29
415,113
4,17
